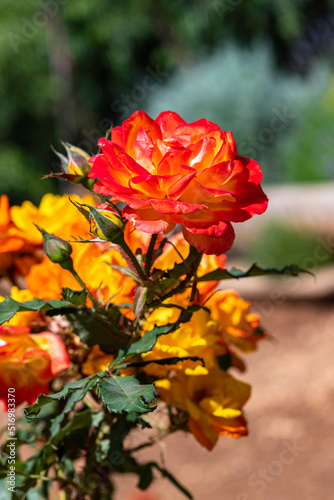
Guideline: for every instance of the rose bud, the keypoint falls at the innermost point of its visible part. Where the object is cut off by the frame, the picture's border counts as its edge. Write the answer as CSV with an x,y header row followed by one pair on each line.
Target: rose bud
x,y
58,250
76,161
74,167
105,223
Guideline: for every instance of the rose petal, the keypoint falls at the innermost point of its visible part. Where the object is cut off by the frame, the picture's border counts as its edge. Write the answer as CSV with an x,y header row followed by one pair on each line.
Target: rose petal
x,y
176,207
213,240
196,129
168,121
139,120
53,344
148,220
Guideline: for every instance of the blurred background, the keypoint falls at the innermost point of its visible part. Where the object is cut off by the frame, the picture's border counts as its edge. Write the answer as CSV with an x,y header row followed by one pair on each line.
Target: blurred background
x,y
70,69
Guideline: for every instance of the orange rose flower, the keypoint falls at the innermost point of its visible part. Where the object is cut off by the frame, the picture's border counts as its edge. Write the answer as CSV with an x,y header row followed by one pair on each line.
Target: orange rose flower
x,y
9,243
96,361
214,403
46,280
167,171
238,326
28,362
56,214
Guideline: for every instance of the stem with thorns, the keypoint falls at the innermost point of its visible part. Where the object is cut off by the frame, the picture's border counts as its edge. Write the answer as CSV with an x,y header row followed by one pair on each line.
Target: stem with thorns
x,y
149,255
122,243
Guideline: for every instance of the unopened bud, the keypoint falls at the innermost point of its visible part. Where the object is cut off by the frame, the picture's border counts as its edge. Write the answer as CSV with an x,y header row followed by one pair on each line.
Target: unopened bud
x,y
77,161
58,250
105,223
74,167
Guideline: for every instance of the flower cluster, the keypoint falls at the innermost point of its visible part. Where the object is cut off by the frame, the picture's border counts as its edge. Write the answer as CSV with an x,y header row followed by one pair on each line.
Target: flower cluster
x,y
200,384
211,334
106,303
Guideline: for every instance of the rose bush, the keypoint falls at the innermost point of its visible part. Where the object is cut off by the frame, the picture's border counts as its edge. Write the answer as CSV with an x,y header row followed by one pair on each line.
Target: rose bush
x,y
120,319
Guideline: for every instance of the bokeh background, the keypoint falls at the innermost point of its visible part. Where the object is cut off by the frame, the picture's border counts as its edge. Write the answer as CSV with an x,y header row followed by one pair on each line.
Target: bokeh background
x,y
70,69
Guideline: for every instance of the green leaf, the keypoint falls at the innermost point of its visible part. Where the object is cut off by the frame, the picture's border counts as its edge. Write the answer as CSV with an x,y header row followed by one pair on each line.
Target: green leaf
x,y
42,459
79,387
76,297
34,494
183,267
126,271
9,307
254,270
4,492
125,394
224,361
149,339
79,421
140,300
73,398
68,467
163,361
94,329
145,344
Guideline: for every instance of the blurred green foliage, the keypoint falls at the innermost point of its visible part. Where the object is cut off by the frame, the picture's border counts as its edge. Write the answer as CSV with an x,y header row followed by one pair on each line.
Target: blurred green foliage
x,y
68,68
282,245
277,118
308,153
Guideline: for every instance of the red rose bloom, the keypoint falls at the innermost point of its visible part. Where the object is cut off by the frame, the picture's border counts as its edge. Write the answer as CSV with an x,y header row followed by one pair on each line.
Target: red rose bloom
x,y
168,171
28,362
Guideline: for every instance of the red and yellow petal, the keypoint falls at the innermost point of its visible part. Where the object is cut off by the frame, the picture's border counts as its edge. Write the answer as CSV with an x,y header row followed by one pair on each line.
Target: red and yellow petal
x,y
149,220
216,239
54,346
138,121
168,121
176,207
188,172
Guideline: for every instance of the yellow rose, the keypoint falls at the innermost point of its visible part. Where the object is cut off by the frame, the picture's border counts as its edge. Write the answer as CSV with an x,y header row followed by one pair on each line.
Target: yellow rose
x,y
213,401
198,338
238,326
56,214
97,361
90,260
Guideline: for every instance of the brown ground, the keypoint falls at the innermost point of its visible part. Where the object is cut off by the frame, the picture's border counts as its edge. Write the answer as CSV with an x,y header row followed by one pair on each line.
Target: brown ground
x,y
292,405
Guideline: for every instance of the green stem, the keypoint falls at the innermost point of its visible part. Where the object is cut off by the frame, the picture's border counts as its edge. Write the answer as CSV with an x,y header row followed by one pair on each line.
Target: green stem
x,y
159,437
122,243
45,478
180,288
149,255
79,280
